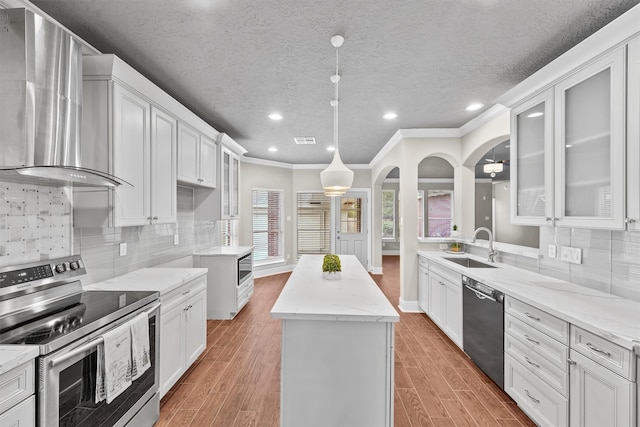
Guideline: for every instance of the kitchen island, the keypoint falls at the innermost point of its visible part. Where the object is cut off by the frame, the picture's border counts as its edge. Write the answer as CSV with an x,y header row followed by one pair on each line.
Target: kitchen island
x,y
337,348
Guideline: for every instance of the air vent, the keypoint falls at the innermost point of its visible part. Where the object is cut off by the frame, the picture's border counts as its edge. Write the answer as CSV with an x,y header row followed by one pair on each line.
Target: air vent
x,y
304,140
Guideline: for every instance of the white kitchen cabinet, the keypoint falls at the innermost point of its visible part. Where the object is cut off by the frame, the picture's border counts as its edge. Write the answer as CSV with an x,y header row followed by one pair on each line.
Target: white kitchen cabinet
x,y
196,158
445,301
183,330
132,140
230,176
21,415
633,136
17,401
532,160
599,397
423,284
581,182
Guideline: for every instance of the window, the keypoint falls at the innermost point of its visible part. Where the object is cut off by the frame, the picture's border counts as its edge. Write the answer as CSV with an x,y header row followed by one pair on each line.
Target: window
x,y
420,213
267,226
388,214
314,223
350,215
440,213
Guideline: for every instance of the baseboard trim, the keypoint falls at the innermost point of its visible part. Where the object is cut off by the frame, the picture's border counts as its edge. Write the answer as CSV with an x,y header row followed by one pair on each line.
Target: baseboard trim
x,y
273,270
375,270
391,252
409,306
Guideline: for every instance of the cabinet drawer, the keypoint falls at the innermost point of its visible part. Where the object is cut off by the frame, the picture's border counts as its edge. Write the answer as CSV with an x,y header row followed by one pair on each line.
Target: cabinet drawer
x,y
542,403
537,364
542,321
446,273
16,384
602,351
555,352
423,262
21,415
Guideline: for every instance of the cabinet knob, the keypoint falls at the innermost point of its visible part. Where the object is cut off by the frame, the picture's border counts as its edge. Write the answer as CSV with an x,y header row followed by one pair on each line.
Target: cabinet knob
x,y
629,220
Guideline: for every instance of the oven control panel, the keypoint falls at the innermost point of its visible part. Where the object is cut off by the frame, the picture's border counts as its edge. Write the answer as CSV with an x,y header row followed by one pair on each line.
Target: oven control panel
x,y
39,272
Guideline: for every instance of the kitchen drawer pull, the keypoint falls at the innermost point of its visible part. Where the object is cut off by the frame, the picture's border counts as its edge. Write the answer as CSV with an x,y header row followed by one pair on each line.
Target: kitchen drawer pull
x,y
597,350
441,284
531,397
531,316
531,363
186,292
531,339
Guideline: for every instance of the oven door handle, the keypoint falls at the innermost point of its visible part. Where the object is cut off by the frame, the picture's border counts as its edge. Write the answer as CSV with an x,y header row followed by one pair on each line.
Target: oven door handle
x,y
91,344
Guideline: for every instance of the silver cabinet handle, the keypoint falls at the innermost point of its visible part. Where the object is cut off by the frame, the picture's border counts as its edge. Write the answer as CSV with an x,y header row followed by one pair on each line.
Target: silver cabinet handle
x,y
442,284
571,362
155,217
597,350
630,220
531,397
531,316
531,339
186,292
531,363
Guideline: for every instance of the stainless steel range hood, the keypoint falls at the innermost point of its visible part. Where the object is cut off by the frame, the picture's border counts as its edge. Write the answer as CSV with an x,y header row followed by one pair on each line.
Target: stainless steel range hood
x,y
41,104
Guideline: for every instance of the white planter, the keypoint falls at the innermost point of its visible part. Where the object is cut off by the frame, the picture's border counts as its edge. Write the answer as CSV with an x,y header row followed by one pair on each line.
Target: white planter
x,y
331,275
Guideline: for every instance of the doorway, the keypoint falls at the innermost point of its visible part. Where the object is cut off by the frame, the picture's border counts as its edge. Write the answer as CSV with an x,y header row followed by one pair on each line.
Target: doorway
x,y
351,225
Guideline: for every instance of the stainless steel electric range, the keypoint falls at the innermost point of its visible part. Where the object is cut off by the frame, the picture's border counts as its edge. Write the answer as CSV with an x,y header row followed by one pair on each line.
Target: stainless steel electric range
x,y
43,304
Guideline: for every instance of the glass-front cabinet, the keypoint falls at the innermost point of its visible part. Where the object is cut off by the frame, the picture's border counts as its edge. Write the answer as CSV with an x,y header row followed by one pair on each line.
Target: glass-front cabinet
x,y
532,161
590,145
568,150
230,177
633,136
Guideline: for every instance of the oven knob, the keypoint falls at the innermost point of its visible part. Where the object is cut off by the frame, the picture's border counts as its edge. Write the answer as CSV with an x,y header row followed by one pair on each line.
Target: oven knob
x,y
60,268
74,265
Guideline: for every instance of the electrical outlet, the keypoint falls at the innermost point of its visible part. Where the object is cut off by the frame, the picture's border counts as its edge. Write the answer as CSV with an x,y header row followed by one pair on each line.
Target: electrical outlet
x,y
576,256
443,246
176,239
123,249
565,253
553,251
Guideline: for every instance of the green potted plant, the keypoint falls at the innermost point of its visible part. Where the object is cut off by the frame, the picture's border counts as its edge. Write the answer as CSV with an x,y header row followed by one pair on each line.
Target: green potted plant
x,y
455,232
331,267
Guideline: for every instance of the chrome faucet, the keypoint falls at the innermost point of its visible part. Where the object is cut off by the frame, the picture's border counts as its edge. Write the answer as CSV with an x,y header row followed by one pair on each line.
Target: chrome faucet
x,y
492,252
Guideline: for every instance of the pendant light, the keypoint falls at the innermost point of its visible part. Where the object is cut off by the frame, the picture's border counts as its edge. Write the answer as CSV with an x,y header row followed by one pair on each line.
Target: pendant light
x,y
336,178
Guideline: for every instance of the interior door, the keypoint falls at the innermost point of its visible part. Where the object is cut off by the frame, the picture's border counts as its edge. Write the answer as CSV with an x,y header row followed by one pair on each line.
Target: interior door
x,y
351,225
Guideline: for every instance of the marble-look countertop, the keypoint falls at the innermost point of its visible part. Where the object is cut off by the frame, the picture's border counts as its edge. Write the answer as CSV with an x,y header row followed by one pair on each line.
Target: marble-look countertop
x,y
12,356
236,251
609,316
161,280
307,295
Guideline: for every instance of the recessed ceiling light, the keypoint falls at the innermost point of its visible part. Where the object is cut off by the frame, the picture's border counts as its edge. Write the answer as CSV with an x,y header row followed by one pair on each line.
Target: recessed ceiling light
x,y
331,148
474,107
390,116
536,114
273,149
275,116
568,146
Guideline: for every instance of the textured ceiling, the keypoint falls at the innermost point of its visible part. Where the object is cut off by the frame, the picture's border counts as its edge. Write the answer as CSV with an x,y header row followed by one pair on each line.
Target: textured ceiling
x,y
235,61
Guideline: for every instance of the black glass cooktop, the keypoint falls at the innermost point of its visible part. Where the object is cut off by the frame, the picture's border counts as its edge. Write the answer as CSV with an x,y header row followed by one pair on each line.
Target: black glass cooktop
x,y
73,317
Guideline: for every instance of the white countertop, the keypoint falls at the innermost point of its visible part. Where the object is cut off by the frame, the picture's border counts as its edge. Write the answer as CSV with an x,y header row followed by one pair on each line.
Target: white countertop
x,y
162,280
354,297
236,251
15,355
612,317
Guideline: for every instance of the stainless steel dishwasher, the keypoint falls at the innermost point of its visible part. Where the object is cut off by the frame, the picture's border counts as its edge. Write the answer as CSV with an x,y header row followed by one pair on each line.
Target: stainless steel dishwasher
x,y
483,327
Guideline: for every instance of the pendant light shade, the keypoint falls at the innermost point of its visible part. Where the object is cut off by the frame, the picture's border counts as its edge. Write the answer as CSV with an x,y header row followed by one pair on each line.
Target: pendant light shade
x,y
336,178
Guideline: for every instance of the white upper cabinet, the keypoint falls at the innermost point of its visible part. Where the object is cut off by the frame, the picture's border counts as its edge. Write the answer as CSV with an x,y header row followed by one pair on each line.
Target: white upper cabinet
x,y
196,158
164,204
590,145
568,150
633,136
532,160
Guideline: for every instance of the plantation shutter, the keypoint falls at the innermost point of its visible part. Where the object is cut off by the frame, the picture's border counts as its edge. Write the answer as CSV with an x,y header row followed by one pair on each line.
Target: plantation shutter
x,y
267,225
314,223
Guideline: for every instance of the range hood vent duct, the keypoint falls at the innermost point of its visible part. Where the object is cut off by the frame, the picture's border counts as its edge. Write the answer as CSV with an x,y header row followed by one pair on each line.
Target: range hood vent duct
x,y
41,104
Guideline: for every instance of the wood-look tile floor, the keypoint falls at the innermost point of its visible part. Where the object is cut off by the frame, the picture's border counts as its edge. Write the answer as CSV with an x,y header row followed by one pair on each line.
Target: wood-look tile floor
x,y
236,381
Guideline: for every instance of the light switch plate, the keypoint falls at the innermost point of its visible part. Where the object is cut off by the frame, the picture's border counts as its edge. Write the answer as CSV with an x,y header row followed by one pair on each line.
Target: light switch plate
x,y
553,251
576,256
123,249
565,253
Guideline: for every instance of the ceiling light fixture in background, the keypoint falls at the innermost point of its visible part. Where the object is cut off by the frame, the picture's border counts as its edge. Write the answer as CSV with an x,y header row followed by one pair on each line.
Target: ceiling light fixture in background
x,y
273,149
275,116
493,168
331,148
474,106
390,116
336,178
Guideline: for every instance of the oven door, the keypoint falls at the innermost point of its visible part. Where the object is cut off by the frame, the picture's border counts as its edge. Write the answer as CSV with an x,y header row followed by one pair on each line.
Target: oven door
x,y
67,381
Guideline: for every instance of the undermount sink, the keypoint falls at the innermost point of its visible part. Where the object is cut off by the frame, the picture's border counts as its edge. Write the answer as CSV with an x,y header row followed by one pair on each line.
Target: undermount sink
x,y
470,263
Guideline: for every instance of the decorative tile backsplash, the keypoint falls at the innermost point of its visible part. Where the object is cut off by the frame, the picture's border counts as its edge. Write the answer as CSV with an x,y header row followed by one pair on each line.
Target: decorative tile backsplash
x,y
35,223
